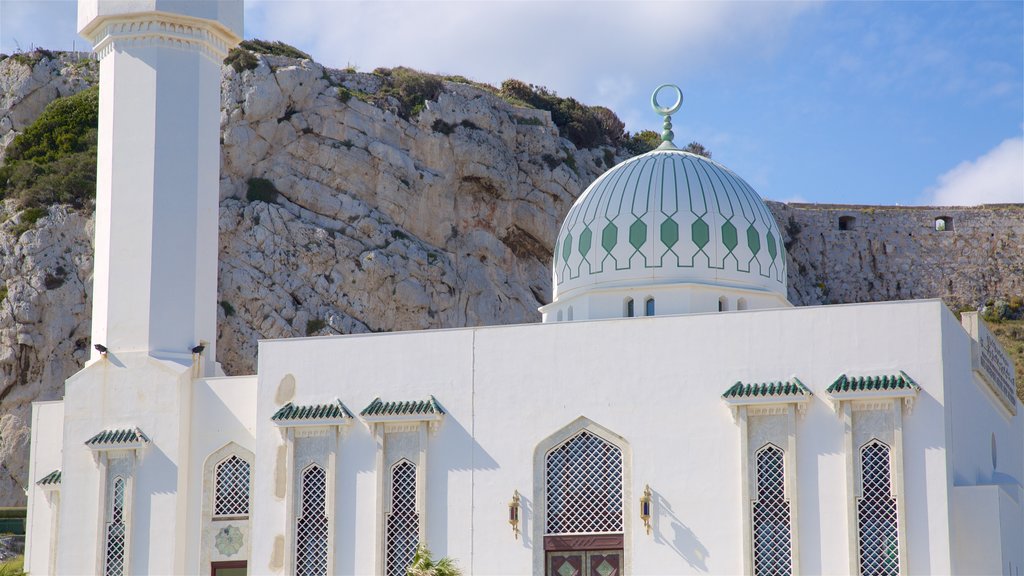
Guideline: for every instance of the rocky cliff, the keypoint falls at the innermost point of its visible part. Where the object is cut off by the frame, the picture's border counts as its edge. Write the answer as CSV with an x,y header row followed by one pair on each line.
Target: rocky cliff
x,y
344,214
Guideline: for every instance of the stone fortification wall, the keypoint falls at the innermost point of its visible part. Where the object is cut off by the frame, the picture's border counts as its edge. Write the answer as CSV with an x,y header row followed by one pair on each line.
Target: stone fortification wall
x,y
896,253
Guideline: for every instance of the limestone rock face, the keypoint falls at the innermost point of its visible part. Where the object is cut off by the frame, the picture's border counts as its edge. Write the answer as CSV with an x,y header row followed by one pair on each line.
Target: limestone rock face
x,y
381,223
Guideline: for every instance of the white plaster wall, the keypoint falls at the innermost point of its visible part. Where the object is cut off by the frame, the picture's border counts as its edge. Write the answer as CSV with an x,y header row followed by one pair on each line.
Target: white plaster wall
x,y
46,443
655,381
125,391
223,411
683,298
975,418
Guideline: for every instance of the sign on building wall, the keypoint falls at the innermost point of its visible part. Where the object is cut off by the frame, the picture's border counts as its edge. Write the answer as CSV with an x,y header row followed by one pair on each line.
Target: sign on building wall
x,y
990,362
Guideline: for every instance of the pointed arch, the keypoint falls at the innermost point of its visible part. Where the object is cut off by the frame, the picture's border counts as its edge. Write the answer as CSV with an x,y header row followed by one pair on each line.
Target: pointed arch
x,y
403,521
587,443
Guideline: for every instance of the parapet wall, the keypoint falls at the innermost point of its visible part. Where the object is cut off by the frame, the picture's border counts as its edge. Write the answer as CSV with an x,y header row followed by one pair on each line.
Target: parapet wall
x,y
896,253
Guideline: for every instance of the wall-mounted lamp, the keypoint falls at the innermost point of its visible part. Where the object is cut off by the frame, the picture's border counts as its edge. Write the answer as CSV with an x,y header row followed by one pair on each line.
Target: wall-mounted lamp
x,y
513,513
100,348
645,508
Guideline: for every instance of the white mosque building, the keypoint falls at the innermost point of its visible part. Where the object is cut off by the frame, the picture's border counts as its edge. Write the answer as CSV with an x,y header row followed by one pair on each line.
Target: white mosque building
x,y
673,413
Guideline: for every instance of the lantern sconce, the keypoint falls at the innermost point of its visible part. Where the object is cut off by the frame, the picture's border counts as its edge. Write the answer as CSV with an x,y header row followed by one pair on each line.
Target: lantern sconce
x,y
513,513
645,508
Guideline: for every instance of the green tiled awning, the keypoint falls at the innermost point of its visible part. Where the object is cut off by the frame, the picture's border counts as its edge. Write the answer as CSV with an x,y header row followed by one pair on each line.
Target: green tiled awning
x,y
51,479
793,387
296,414
428,407
894,383
116,439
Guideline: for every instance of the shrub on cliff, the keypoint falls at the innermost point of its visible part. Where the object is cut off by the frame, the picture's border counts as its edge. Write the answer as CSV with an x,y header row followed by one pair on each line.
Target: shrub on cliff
x,y
275,48
411,88
54,160
583,125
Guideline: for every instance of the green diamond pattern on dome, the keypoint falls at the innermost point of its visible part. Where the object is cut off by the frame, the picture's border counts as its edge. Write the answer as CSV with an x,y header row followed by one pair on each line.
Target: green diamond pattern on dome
x,y
729,236
585,237
637,233
700,233
609,237
753,240
669,232
719,208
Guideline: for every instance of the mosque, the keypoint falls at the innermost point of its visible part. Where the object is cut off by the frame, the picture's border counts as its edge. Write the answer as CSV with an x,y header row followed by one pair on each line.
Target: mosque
x,y
672,414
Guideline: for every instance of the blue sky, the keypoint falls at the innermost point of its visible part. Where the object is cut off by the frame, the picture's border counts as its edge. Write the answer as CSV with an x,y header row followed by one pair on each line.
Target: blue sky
x,y
858,102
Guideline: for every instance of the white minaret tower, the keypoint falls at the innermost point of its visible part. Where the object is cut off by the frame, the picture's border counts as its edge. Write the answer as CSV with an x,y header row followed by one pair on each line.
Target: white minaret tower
x,y
157,181
127,439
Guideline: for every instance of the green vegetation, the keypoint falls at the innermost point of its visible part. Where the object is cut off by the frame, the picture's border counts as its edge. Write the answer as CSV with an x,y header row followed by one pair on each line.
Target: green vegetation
x,y
229,310
241,60
698,149
1010,334
344,94
3,292
54,160
411,88
424,565
261,190
30,59
28,219
13,567
315,325
585,126
275,48
642,142
243,56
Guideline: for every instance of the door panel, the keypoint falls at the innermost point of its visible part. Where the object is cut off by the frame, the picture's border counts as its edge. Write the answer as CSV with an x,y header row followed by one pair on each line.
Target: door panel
x,y
585,563
566,563
605,563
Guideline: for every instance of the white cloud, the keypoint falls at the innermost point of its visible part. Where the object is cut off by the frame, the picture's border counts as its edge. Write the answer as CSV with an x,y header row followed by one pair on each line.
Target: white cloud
x,y
599,52
995,177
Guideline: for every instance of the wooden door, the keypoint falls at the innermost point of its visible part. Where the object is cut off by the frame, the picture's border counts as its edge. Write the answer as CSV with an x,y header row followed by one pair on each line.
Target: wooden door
x,y
585,563
233,568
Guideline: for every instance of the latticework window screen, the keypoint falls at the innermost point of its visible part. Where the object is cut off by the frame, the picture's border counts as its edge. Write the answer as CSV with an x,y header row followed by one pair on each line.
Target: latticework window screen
x,y
878,528
232,493
114,557
311,526
584,486
771,523
404,521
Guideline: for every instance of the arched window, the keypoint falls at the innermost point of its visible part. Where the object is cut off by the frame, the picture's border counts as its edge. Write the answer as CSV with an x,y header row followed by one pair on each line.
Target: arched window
x,y
403,521
558,317
847,222
629,312
943,224
570,314
311,525
771,523
231,495
723,304
877,524
649,307
741,304
584,486
114,559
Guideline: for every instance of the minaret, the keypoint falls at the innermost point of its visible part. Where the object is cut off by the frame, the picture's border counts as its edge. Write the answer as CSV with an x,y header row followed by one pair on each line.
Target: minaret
x,y
157,179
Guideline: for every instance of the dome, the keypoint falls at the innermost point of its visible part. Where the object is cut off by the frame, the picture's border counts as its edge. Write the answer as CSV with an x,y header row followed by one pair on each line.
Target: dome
x,y
669,217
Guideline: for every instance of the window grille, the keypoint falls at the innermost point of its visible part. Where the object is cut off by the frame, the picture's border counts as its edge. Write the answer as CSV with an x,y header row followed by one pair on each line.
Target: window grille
x,y
878,529
584,486
311,526
114,560
231,497
404,521
772,549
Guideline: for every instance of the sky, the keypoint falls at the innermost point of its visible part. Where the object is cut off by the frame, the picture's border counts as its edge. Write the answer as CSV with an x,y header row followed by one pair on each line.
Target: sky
x,y
884,103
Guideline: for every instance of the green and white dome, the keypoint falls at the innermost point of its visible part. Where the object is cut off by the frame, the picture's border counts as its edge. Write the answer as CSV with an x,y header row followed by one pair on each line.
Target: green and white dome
x,y
671,220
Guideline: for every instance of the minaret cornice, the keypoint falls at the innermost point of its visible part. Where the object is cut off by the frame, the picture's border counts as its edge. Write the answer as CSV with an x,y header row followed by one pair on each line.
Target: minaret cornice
x,y
155,28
